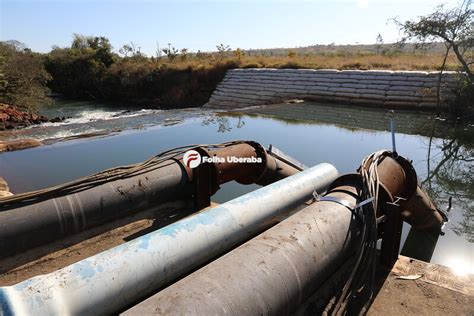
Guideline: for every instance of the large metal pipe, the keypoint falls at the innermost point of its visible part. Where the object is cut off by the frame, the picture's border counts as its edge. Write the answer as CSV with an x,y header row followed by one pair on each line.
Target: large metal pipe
x,y
420,244
275,169
278,270
114,279
272,273
423,214
27,226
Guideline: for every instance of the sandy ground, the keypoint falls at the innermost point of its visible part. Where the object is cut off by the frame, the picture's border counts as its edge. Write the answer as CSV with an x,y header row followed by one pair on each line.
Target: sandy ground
x,y
411,287
437,291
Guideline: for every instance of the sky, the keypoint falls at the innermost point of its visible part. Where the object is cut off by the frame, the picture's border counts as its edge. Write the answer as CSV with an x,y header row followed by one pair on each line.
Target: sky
x,y
201,25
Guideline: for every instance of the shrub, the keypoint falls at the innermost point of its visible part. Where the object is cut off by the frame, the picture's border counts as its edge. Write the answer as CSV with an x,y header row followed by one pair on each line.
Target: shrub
x,y
23,77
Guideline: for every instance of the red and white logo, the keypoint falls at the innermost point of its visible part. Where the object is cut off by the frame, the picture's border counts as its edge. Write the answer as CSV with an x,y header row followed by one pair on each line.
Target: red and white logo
x,y
192,159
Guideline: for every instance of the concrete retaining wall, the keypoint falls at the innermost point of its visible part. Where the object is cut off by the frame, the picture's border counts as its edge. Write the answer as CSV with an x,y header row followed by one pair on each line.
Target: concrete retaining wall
x,y
258,86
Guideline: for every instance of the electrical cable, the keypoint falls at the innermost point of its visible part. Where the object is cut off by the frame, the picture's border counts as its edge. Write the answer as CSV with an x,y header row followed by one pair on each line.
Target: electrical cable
x,y
112,174
362,276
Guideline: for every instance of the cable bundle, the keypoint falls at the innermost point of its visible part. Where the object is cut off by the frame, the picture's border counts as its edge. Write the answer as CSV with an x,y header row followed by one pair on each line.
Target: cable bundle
x,y
362,277
116,173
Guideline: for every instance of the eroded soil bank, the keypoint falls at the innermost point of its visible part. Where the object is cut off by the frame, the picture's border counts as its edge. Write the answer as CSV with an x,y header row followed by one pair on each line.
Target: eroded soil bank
x,y
11,117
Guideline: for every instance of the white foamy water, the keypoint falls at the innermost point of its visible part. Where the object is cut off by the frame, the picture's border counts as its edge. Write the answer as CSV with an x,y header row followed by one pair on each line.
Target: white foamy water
x,y
88,116
69,133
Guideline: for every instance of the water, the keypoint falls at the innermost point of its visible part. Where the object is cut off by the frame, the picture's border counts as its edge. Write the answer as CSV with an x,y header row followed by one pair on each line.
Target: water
x,y
86,117
306,132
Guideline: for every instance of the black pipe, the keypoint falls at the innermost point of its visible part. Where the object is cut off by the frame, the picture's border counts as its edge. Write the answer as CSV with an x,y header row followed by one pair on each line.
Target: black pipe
x,y
28,226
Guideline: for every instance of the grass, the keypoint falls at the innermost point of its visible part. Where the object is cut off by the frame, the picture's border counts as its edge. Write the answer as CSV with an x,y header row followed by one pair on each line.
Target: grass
x,y
404,61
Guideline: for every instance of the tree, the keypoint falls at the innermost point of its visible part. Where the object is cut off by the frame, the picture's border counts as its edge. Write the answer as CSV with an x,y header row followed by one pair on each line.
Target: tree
x,y
379,43
200,55
170,52
126,50
238,53
158,51
183,54
452,26
131,50
222,50
78,71
23,78
90,42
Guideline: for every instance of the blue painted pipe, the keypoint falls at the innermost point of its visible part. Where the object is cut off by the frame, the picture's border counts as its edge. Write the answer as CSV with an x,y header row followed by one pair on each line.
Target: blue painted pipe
x,y
112,280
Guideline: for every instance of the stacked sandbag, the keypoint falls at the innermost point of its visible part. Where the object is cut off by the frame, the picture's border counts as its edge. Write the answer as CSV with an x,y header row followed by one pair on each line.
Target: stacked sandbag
x,y
258,86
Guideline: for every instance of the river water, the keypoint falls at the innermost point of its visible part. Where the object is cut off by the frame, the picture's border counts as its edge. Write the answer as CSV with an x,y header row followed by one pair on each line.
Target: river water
x,y
311,133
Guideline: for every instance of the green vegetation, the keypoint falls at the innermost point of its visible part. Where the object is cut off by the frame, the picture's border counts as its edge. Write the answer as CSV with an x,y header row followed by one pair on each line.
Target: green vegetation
x,y
78,71
23,77
90,70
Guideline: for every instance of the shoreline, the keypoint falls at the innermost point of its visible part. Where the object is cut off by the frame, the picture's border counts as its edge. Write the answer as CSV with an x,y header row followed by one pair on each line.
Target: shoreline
x,y
297,112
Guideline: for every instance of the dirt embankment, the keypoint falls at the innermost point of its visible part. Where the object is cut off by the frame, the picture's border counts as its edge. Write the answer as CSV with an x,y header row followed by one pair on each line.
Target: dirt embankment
x,y
12,117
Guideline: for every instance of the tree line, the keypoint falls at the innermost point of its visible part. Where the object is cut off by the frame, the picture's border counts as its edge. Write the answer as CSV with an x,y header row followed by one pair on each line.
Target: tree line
x,y
90,69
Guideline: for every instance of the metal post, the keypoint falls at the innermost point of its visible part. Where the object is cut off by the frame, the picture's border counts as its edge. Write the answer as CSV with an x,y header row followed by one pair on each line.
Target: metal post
x,y
392,233
392,129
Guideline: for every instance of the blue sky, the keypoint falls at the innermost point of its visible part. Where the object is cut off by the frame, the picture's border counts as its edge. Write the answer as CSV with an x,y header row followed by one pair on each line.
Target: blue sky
x,y
201,25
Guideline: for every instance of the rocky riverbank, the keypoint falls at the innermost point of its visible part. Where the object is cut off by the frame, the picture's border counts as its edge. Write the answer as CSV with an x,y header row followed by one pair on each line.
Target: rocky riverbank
x,y
11,118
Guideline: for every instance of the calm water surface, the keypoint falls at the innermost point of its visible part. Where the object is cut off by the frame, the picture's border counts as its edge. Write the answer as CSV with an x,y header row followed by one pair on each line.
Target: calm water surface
x,y
448,172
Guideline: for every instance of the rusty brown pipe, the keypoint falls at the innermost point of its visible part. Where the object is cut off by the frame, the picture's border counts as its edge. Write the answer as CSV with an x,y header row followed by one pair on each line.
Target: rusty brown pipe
x,y
398,178
422,213
270,169
275,170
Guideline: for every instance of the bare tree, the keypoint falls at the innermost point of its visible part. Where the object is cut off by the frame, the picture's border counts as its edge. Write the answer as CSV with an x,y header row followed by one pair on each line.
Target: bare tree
x,y
131,49
453,26
379,43
222,50
170,52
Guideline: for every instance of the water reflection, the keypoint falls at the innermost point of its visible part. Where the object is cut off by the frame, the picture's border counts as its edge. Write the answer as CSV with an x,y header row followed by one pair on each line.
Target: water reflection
x,y
451,173
450,151
449,161
460,266
222,122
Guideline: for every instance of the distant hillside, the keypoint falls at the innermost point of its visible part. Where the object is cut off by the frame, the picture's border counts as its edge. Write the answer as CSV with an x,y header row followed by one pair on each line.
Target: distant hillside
x,y
331,49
